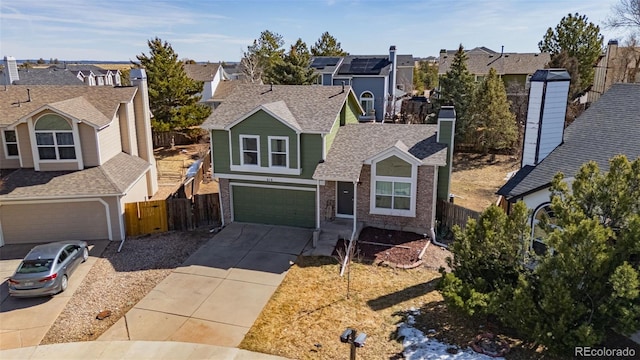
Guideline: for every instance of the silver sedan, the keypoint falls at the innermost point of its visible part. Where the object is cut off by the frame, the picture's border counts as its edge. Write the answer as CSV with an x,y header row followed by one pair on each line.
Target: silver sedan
x,y
46,268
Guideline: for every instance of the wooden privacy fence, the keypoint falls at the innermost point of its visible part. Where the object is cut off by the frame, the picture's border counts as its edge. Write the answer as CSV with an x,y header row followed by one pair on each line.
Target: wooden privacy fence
x,y
449,214
146,217
195,177
172,214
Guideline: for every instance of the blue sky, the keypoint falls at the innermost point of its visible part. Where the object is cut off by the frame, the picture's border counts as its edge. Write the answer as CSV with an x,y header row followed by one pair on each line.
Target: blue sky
x,y
220,30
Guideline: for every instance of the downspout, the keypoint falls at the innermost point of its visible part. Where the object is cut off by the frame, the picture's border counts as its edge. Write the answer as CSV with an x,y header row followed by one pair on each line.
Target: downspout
x,y
318,204
433,215
353,233
122,225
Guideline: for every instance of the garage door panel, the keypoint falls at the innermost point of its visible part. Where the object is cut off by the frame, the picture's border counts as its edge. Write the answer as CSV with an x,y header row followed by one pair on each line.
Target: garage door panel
x,y
29,223
274,206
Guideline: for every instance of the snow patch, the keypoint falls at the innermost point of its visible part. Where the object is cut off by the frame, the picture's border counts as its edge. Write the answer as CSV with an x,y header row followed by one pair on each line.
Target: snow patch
x,y
417,346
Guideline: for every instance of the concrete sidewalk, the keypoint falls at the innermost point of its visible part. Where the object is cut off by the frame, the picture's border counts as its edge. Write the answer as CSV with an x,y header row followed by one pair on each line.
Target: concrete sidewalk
x,y
217,294
126,350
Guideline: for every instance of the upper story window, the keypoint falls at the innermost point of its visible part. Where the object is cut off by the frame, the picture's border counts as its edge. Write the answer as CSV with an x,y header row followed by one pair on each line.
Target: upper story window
x,y
394,187
10,143
367,101
54,138
250,150
278,151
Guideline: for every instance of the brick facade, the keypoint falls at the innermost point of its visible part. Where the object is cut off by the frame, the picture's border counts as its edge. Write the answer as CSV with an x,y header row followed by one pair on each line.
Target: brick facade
x,y
421,223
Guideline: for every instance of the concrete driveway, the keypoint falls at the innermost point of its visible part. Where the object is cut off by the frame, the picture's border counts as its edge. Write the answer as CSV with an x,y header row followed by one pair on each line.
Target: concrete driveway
x,y
25,322
217,294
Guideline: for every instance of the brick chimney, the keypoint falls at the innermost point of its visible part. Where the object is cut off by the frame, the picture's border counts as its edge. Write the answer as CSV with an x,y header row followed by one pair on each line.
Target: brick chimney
x,y
138,77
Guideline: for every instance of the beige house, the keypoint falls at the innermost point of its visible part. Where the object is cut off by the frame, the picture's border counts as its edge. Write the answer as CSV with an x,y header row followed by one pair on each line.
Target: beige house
x,y
617,64
70,158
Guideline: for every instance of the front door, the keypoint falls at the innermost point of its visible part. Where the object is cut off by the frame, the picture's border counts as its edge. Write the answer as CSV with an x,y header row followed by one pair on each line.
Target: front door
x,y
345,199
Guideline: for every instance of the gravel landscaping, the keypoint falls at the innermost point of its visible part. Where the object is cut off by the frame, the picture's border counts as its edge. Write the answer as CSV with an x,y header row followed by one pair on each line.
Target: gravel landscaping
x,y
117,281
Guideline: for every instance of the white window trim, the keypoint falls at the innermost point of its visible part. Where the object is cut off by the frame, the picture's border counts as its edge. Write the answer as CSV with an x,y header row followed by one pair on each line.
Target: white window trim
x,y
394,212
242,150
279,170
534,223
76,143
6,148
286,142
372,100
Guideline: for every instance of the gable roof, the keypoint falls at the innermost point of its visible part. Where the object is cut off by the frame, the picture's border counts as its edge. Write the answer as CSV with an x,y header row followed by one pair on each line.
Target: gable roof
x,y
611,126
113,178
481,62
314,108
224,89
103,99
201,72
355,143
52,76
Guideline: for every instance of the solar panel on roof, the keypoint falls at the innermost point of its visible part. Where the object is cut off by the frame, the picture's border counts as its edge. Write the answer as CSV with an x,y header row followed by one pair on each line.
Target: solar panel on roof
x,y
321,62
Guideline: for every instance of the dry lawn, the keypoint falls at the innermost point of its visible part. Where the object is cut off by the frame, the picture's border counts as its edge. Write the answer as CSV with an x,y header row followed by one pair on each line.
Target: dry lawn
x,y
476,178
310,309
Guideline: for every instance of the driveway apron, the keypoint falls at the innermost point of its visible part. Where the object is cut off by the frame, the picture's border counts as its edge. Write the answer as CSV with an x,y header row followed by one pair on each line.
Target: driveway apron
x,y
217,294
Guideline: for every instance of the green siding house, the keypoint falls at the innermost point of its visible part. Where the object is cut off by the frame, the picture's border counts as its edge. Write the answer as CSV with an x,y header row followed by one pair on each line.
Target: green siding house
x,y
296,155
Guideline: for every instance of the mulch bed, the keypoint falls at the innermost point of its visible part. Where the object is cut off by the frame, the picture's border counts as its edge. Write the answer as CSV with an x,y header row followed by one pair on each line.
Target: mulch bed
x,y
403,250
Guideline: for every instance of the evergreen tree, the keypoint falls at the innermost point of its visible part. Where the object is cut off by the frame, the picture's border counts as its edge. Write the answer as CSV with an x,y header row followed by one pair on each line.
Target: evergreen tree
x,y
294,68
579,39
491,117
425,76
173,96
327,45
585,285
457,88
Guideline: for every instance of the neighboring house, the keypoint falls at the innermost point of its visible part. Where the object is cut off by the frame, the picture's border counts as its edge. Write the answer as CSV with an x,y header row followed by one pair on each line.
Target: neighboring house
x,y
71,157
611,126
511,67
94,75
58,75
379,81
212,76
617,64
298,156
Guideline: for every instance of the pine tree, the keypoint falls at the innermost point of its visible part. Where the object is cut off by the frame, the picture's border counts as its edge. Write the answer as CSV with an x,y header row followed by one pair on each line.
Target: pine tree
x,y
294,68
580,39
491,117
586,284
327,45
457,88
173,96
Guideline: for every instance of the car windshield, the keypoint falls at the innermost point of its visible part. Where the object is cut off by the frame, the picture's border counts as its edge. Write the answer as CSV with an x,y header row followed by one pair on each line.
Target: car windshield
x,y
35,266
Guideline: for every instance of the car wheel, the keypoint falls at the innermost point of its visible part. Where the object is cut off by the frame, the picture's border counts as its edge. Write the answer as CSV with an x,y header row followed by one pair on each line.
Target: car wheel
x,y
64,283
85,254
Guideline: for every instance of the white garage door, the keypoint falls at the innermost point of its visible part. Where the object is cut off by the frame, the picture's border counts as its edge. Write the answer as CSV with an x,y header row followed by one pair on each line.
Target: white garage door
x,y
33,223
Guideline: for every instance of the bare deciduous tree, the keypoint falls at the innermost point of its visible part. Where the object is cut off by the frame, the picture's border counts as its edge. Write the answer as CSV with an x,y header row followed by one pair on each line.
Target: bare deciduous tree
x,y
626,14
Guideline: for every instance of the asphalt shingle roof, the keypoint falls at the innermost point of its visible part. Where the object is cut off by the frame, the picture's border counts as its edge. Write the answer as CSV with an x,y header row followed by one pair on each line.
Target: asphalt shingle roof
x,y
95,104
509,63
314,108
201,72
112,178
357,142
45,77
611,126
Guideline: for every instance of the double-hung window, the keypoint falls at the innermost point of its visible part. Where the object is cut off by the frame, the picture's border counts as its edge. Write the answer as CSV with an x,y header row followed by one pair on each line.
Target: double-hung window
x,y
10,143
278,151
250,150
393,195
367,102
54,138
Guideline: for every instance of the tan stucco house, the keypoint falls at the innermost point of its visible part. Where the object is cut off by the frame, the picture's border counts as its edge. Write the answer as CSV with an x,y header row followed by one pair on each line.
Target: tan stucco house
x,y
70,158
